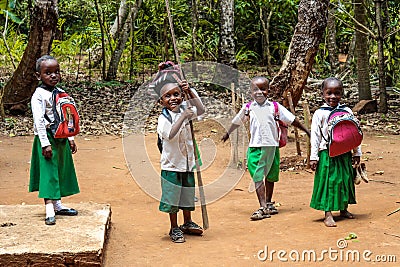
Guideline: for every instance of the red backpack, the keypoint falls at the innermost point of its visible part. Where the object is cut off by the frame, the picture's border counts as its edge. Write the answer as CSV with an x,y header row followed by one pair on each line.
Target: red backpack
x,y
66,117
344,131
282,127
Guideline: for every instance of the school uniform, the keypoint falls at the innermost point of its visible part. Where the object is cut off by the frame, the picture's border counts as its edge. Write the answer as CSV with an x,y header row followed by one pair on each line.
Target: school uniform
x,y
263,156
177,163
53,178
333,180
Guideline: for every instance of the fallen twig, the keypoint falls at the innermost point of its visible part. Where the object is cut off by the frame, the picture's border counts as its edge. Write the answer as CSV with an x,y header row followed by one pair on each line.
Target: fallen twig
x,y
393,212
381,181
398,236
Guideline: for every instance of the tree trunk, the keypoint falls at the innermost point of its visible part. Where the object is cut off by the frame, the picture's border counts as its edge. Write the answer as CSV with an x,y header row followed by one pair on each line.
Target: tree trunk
x,y
381,61
22,84
226,47
332,47
119,19
266,23
361,52
194,28
312,19
124,35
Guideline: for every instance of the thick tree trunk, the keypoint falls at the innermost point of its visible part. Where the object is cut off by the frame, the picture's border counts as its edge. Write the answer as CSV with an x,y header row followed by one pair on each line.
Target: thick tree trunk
x,y
361,52
123,38
226,47
312,19
332,47
22,84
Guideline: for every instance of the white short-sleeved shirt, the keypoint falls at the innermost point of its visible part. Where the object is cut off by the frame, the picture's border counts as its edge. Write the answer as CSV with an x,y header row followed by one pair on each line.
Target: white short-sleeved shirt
x,y
263,127
320,124
178,152
41,103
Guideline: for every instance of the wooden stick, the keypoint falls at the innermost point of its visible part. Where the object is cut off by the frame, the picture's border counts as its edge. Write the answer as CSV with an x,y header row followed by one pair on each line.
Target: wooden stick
x,y
296,132
204,214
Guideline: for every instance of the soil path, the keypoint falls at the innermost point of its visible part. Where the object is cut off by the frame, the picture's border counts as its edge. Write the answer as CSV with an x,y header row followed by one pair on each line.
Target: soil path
x,y
139,233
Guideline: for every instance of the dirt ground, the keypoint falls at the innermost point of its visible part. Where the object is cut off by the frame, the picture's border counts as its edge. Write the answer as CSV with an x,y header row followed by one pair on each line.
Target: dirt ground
x,y
139,232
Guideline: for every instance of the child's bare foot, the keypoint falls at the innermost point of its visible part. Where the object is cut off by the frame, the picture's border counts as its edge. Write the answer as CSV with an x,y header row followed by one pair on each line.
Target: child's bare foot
x,y
346,214
329,221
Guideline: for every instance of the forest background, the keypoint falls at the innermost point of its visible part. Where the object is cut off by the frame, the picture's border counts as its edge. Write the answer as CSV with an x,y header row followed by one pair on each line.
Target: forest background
x,y
107,48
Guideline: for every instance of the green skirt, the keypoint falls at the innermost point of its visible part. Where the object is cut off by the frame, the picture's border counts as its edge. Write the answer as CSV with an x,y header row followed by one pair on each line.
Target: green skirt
x,y
333,183
53,178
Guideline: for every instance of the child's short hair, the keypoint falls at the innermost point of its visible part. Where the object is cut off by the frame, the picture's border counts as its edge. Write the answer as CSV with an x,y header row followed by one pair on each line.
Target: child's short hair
x,y
323,84
41,59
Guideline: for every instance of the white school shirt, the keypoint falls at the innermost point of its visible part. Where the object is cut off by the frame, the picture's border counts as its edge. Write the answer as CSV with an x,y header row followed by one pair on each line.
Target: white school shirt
x,y
178,153
320,124
263,127
41,103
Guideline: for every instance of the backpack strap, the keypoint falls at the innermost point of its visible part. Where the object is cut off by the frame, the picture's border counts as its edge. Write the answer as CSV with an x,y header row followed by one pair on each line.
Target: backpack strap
x,y
166,114
276,111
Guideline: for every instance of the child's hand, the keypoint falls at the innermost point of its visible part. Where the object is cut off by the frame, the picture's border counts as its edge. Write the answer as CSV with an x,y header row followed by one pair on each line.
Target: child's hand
x,y
47,152
225,137
185,86
355,160
73,146
313,164
188,113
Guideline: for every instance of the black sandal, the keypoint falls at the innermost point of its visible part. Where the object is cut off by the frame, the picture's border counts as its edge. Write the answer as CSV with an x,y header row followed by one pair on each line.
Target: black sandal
x,y
176,235
271,209
260,214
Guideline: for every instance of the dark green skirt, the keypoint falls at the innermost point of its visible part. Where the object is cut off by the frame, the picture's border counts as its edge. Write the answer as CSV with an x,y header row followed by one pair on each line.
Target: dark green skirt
x,y
333,183
53,178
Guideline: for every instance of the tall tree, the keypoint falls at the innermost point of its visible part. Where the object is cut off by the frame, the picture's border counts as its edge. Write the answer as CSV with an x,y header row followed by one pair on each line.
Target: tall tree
x,y
226,47
379,17
23,82
308,33
361,51
123,38
331,36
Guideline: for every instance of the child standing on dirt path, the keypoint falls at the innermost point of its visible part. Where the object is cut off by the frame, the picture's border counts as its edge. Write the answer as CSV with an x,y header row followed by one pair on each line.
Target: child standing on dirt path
x,y
263,156
52,171
177,156
333,181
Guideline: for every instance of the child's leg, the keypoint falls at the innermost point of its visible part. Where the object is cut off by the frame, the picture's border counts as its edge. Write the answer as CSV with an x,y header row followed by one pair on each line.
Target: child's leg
x,y
50,214
173,219
261,193
269,190
346,214
329,221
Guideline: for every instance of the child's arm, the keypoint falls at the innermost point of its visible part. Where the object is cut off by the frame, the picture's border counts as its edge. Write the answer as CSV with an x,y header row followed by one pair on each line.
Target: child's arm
x,y
315,140
186,114
38,107
193,98
231,129
297,123
73,146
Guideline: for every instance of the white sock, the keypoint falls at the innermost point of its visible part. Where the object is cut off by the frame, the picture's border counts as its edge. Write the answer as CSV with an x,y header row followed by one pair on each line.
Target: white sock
x,y
50,210
58,205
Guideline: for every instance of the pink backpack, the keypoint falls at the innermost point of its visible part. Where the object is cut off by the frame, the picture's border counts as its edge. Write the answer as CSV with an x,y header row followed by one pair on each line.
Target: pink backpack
x,y
344,131
282,127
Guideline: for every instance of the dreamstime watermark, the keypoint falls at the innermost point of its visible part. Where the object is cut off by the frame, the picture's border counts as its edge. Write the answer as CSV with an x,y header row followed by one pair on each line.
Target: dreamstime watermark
x,y
143,108
338,254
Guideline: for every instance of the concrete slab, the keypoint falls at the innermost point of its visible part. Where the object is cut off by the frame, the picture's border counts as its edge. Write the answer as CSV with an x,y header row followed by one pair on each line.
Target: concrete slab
x,y
74,241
